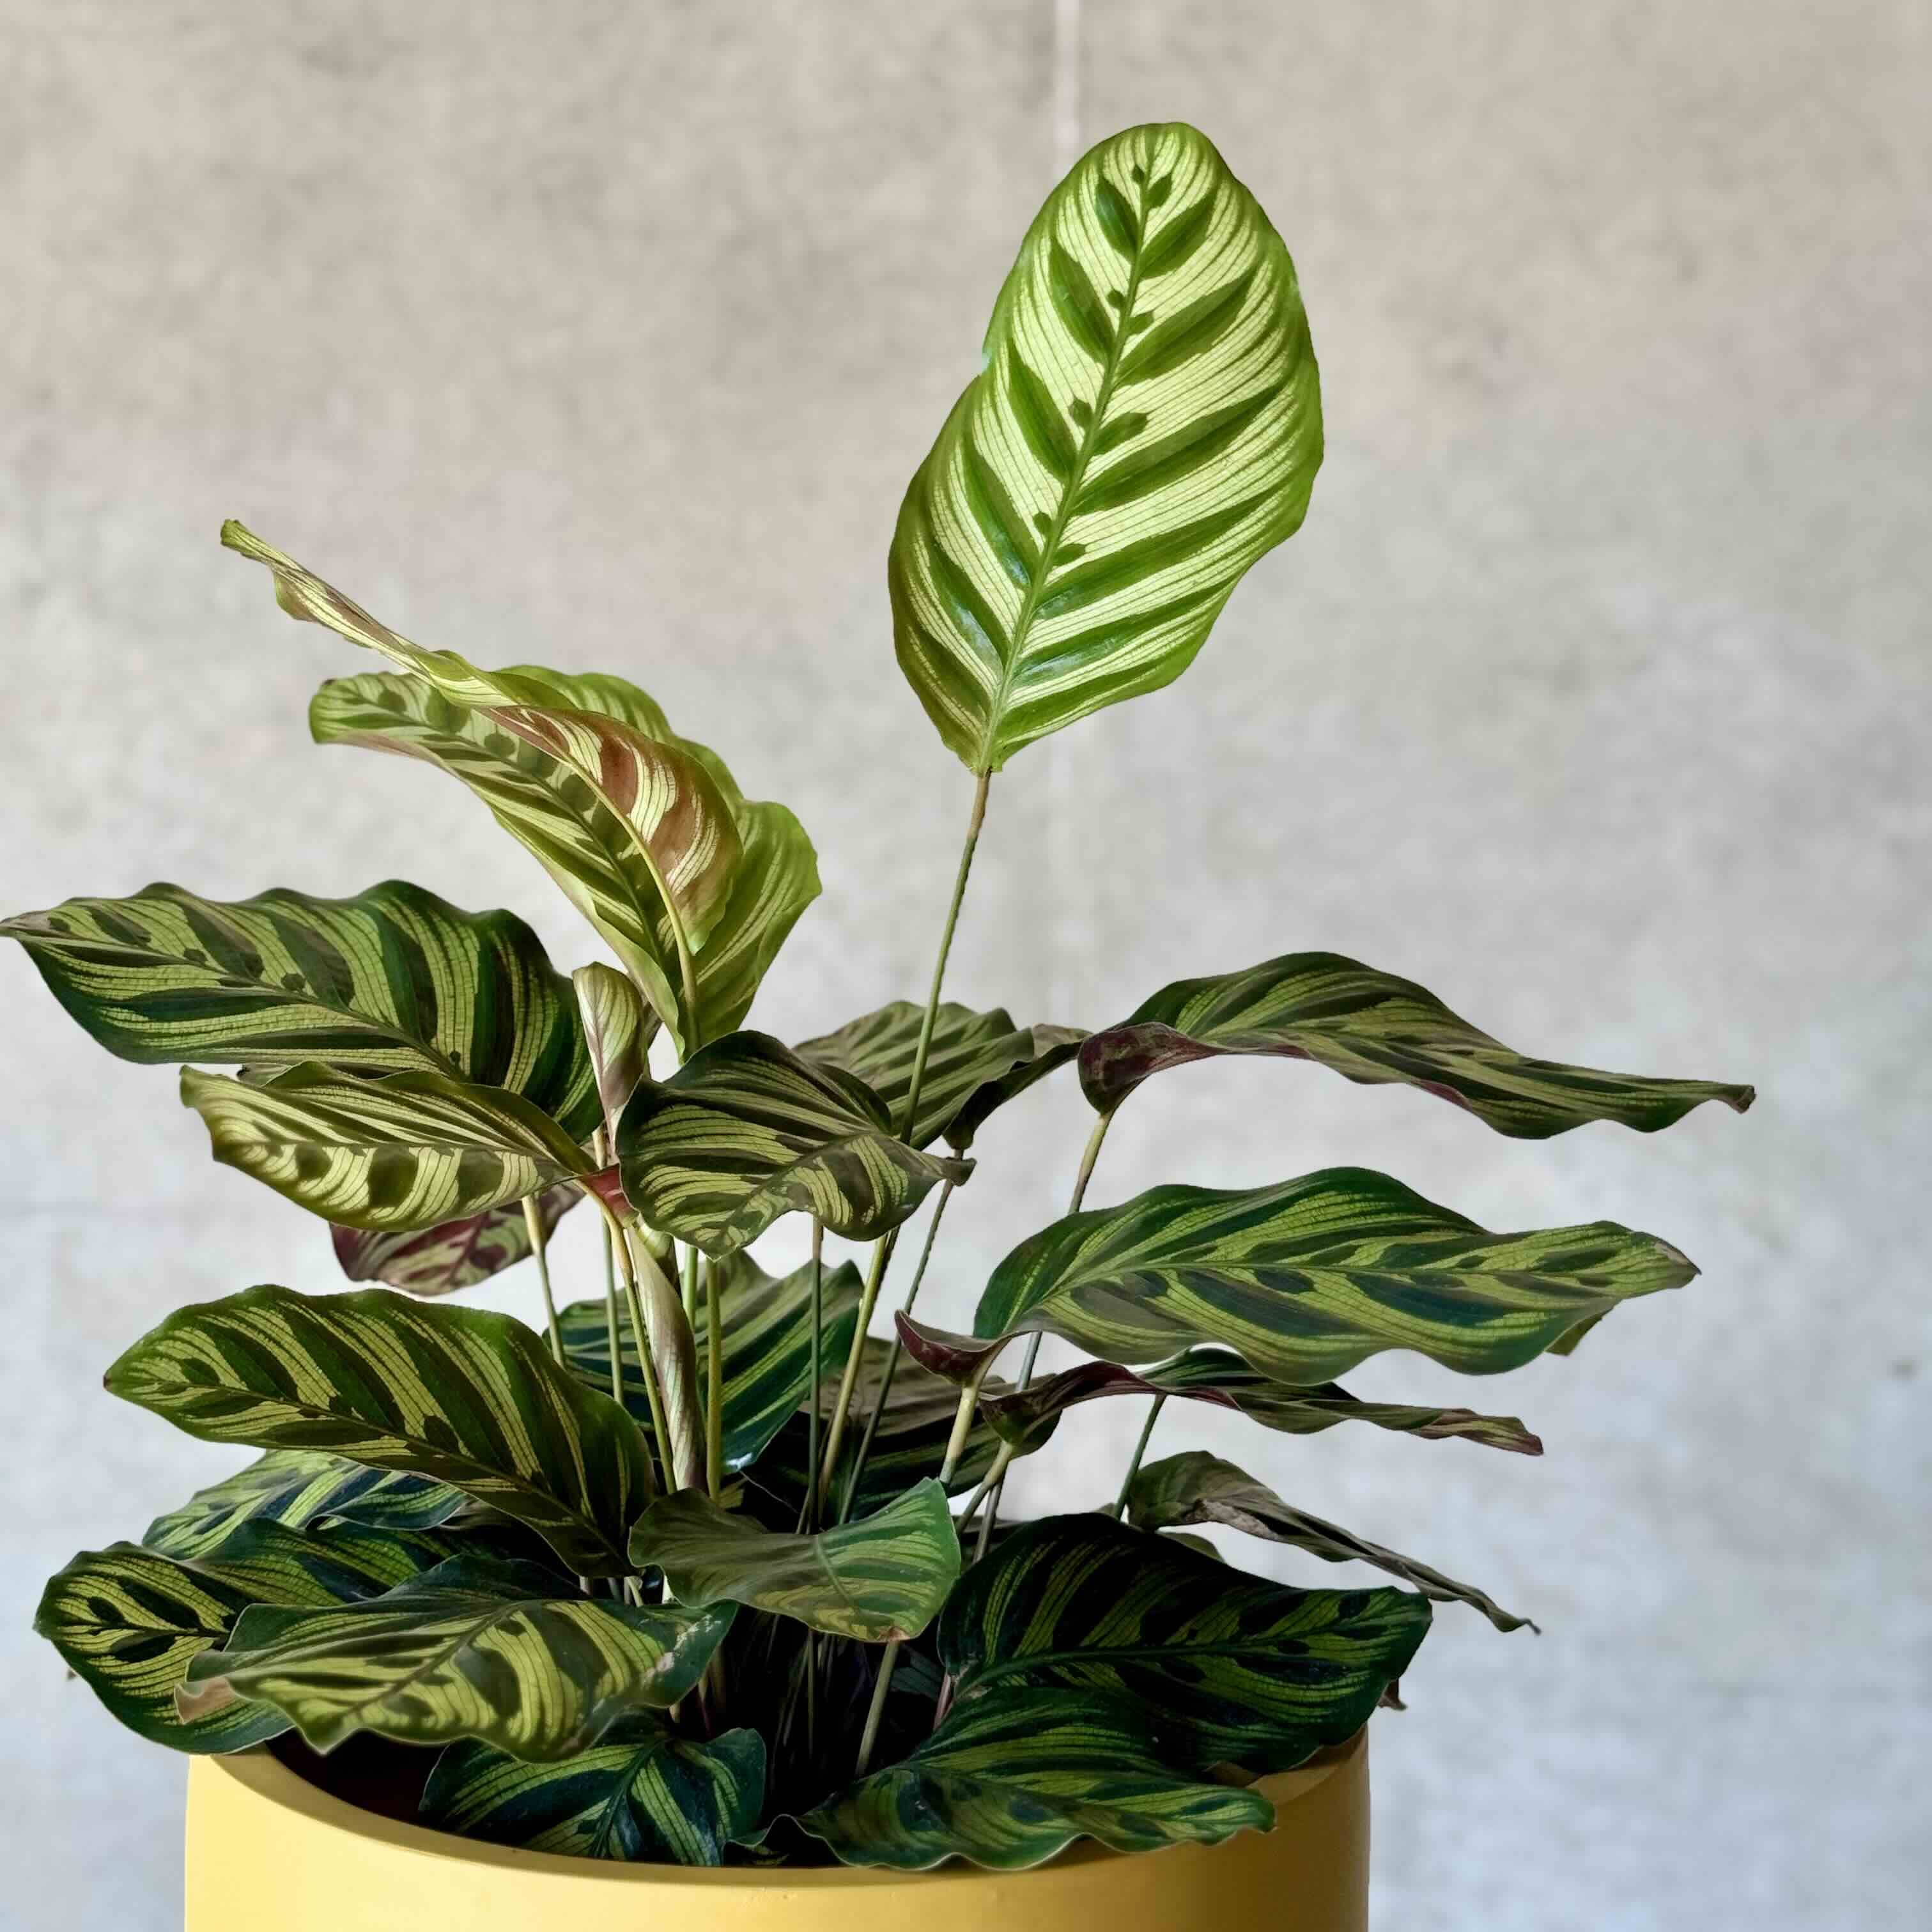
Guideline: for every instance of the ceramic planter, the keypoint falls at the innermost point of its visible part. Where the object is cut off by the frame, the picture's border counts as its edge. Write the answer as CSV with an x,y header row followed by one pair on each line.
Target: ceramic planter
x,y
266,1848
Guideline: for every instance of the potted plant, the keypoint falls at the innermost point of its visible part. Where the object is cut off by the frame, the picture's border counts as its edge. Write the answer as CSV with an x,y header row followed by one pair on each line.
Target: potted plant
x,y
697,1601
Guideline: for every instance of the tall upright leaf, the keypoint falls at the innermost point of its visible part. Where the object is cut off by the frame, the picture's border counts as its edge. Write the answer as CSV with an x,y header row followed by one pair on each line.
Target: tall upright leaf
x,y
455,1254
1374,1029
617,1030
1145,424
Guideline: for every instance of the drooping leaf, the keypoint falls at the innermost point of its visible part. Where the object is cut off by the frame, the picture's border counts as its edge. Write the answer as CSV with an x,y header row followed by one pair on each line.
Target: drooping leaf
x,y
617,1029
393,979
1009,1779
510,1653
879,1579
1146,424
1196,1488
1374,1029
640,1794
747,1130
410,1151
767,1324
977,1062
455,1394
1307,1278
437,1261
1229,1669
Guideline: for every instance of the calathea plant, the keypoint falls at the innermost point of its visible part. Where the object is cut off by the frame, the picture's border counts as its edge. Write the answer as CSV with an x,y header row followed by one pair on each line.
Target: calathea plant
x,y
703,1569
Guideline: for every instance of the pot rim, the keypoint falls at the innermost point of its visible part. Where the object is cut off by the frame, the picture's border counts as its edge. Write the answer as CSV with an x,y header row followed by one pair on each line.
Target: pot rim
x,y
270,1781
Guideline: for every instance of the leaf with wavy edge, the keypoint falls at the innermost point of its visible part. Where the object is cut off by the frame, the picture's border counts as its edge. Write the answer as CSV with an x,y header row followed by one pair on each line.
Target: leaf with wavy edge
x,y
1307,1278
641,1794
747,1130
1229,1669
1374,1029
430,1261
1007,1781
455,1394
394,978
977,1062
879,1579
507,1653
1195,1488
1145,425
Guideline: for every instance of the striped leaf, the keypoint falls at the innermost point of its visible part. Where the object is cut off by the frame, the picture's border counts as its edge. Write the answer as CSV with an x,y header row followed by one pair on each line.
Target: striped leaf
x,y
747,1130
879,1579
1009,1780
407,1152
1307,1278
617,1029
394,978
437,1261
1146,424
977,1063
510,1653
1229,1670
1197,1489
1375,1029
299,1488
767,1324
641,1794
456,1394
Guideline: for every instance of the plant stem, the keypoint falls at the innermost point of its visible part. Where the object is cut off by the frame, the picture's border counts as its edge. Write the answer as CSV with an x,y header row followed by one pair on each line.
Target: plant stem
x,y
882,1254
628,1272
533,1222
613,1325
808,1515
1120,1509
714,1415
690,1287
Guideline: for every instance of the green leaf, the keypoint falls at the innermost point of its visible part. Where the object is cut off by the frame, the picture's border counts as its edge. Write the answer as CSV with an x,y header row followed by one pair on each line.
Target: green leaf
x,y
431,1261
1307,1278
1009,1779
412,1151
1230,1670
977,1063
1374,1029
507,1653
641,1794
767,1324
879,1579
456,1394
1195,1488
747,1130
393,979
617,1030
1146,424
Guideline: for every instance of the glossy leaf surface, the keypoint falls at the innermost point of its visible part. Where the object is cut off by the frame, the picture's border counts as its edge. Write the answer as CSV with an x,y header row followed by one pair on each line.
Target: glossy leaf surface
x,y
431,1261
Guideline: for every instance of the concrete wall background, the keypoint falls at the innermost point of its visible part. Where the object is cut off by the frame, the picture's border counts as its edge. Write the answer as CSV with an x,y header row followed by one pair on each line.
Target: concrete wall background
x,y
1595,694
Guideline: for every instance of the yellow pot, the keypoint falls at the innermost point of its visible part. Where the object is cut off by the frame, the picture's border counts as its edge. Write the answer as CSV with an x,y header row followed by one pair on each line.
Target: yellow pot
x,y
264,1849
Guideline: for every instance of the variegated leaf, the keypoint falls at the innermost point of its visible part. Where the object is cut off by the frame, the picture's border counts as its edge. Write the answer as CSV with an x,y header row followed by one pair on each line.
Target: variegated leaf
x,y
1008,1780
1375,1029
747,1130
977,1062
1307,1278
640,1794
879,1579
510,1653
458,1254
1230,1670
392,979
410,1151
617,1029
455,1394
1146,424
1195,1488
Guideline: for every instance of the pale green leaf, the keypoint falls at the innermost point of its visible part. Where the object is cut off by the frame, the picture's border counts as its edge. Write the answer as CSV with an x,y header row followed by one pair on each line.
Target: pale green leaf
x,y
617,1029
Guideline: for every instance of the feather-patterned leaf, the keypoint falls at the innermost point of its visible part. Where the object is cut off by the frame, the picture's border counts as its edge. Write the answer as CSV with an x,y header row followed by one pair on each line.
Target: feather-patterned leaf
x,y
617,1028
392,979
879,1579
410,1151
1374,1029
507,1653
1008,1780
458,1254
456,1394
640,1794
1229,1669
1146,424
1307,1278
747,1130
1196,1488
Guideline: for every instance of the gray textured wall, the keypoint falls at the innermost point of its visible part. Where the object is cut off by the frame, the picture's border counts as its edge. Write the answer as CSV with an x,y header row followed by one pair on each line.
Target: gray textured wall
x,y
1595,694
